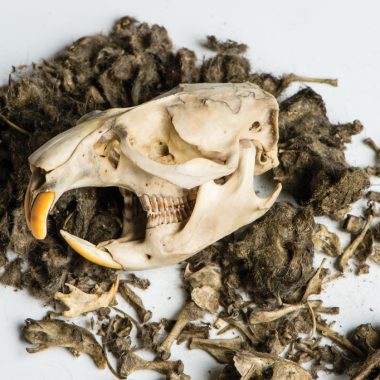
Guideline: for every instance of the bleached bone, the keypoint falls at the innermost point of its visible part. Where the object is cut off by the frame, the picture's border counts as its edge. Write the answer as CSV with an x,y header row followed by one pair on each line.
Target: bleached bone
x,y
79,302
187,157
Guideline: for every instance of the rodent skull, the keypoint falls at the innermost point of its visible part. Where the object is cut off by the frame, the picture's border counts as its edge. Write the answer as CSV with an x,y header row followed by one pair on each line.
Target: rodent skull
x,y
187,158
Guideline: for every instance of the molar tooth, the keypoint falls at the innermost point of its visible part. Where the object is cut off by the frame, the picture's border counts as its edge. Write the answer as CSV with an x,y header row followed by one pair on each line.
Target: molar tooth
x,y
157,220
167,210
149,221
145,203
153,221
169,216
160,201
154,204
166,203
173,216
172,205
162,218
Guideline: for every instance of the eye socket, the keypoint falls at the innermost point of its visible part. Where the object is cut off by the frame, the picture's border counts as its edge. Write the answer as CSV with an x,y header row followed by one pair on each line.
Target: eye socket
x,y
256,126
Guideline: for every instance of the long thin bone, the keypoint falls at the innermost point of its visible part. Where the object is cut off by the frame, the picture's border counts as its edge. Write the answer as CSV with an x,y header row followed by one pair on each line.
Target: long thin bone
x,y
131,297
131,362
13,125
350,250
264,316
189,313
290,78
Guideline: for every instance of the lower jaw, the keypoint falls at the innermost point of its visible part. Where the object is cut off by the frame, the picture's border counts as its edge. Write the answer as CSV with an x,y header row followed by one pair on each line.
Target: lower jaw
x,y
142,254
101,254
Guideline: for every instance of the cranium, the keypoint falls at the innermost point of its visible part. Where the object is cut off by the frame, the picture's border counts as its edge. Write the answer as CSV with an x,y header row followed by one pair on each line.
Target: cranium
x,y
187,158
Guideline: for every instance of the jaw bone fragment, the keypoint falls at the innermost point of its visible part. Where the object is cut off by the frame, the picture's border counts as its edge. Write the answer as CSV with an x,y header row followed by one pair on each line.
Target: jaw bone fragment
x,y
79,302
168,157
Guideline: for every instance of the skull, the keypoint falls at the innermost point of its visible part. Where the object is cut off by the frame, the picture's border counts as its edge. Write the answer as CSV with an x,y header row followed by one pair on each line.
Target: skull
x,y
187,159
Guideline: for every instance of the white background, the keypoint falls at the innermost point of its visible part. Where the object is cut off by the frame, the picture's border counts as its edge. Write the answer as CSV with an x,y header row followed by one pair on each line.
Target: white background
x,y
337,39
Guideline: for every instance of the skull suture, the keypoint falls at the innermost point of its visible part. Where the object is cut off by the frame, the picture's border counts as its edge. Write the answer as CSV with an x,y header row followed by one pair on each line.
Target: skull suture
x,y
187,158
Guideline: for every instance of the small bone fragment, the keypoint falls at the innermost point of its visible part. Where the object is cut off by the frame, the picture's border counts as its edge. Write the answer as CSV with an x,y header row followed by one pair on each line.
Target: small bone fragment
x,y
243,328
117,336
126,315
56,333
132,298
254,365
369,367
193,331
13,125
290,78
326,241
207,276
264,316
190,312
372,145
314,286
117,339
366,337
350,250
206,283
223,350
206,298
152,334
80,302
376,255
362,269
219,323
325,330
376,231
130,362
141,283
373,196
327,310
353,224
314,328
373,170
226,329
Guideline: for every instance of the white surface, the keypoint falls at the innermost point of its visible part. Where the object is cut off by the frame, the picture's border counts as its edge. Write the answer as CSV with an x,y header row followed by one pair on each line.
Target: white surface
x,y
325,39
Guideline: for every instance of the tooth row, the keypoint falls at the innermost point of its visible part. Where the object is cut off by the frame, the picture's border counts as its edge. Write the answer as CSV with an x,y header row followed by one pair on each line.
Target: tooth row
x,y
165,210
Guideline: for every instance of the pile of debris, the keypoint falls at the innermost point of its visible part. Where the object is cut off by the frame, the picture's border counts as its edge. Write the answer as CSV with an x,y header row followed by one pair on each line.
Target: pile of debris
x,y
269,262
